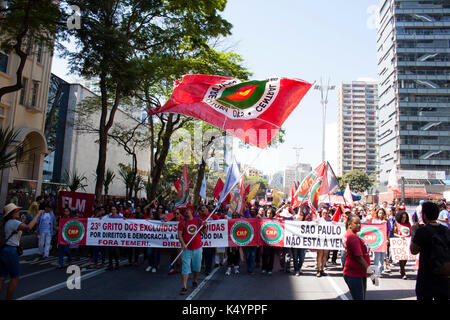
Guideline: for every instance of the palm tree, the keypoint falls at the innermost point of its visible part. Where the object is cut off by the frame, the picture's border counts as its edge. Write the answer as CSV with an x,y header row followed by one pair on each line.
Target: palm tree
x,y
128,179
75,181
10,151
138,185
109,177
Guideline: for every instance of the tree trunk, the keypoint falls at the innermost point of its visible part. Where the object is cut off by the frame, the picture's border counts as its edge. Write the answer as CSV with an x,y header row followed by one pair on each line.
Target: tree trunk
x,y
22,55
198,183
161,159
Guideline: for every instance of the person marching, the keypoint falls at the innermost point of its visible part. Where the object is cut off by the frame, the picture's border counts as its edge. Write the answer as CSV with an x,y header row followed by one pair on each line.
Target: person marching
x,y
192,254
402,229
9,257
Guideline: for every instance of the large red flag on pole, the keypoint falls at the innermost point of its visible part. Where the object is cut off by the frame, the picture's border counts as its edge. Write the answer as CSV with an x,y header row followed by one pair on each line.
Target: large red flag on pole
x,y
253,111
218,189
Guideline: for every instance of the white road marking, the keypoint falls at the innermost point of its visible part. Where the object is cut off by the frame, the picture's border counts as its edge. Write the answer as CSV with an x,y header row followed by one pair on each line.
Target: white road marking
x,y
341,294
202,284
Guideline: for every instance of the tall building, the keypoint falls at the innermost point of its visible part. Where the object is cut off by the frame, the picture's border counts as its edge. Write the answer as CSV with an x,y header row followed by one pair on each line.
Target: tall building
x,y
293,174
357,126
413,43
24,111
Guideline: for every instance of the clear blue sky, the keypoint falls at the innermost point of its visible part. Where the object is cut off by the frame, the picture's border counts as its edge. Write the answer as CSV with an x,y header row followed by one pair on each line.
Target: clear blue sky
x,y
306,40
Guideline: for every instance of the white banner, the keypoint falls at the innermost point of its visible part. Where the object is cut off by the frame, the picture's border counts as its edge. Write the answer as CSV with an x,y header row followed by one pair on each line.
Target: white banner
x,y
400,249
314,235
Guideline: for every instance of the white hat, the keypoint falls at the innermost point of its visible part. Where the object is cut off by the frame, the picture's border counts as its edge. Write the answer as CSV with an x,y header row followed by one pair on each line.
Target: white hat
x,y
9,208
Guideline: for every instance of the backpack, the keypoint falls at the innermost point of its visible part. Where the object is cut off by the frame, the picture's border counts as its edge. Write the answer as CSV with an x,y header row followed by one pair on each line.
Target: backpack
x,y
440,252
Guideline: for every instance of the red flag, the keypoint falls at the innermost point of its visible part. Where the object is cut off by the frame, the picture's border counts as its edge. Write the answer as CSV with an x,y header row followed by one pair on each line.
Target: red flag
x,y
247,190
182,199
218,189
253,111
304,188
337,215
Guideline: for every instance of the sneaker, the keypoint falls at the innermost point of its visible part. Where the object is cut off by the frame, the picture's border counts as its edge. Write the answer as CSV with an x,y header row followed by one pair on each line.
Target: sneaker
x,y
405,277
148,269
318,274
236,270
323,273
263,271
153,270
194,284
297,274
269,273
172,271
228,271
183,291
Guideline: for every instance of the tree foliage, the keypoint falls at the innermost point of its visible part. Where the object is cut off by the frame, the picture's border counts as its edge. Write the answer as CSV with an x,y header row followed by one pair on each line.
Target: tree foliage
x,y
359,181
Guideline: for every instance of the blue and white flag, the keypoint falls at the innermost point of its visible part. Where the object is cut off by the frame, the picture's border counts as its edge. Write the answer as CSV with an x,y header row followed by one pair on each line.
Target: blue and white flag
x,y
233,177
203,189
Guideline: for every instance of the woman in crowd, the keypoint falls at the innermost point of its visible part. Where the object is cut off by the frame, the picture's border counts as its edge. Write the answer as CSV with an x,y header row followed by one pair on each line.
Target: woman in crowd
x,y
379,217
268,251
9,257
233,254
402,229
322,254
175,251
113,252
357,260
64,249
154,254
298,254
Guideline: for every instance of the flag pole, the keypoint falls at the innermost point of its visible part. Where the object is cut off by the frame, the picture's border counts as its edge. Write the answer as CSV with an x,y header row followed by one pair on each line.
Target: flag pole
x,y
215,209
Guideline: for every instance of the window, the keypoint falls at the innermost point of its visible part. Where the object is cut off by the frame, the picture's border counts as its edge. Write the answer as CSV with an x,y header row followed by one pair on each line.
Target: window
x,y
23,91
3,62
39,53
34,93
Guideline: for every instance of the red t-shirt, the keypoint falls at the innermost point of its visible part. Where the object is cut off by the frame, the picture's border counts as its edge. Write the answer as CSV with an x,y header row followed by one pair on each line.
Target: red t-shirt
x,y
189,230
355,247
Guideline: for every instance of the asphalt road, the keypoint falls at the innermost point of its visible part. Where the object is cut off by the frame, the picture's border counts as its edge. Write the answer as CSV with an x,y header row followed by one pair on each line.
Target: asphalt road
x,y
41,280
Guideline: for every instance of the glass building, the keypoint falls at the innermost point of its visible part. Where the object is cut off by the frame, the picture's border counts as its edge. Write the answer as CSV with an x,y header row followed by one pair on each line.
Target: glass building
x,y
413,43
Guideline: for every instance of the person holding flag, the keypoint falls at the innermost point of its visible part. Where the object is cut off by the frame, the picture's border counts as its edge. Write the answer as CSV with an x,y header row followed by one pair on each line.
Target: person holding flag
x,y
192,253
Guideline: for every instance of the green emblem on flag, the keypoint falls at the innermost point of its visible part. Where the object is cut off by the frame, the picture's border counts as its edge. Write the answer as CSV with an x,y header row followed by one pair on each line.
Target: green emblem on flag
x,y
243,95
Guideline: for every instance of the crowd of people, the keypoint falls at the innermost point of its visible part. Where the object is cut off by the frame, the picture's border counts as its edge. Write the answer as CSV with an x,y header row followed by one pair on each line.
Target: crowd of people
x,y
355,259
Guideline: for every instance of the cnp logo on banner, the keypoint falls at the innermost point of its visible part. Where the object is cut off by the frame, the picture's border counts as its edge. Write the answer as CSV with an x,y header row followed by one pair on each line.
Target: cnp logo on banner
x,y
73,231
374,235
242,233
271,233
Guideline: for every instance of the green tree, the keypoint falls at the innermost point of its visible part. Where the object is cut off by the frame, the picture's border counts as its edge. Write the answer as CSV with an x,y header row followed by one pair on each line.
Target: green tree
x,y
117,36
75,181
27,26
359,180
109,178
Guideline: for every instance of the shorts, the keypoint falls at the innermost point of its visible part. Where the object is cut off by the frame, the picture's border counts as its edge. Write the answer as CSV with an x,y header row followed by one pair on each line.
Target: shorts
x,y
191,256
9,263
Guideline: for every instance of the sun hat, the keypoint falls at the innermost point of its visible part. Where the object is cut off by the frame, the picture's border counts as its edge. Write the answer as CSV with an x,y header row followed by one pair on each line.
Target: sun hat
x,y
9,208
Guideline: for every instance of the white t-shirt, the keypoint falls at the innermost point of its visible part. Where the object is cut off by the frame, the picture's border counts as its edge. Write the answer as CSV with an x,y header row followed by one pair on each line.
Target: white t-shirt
x,y
11,226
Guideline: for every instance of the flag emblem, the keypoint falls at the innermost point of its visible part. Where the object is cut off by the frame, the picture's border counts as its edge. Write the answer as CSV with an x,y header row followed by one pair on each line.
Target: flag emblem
x,y
242,100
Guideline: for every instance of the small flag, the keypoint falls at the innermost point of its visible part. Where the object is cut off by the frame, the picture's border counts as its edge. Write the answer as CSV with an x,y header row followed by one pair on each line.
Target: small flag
x,y
231,181
203,189
217,189
182,185
337,215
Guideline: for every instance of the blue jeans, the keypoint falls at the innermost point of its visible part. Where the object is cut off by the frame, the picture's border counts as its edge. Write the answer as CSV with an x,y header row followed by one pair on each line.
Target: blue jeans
x,y
299,257
378,261
153,255
250,255
343,258
209,254
9,262
98,249
357,287
63,250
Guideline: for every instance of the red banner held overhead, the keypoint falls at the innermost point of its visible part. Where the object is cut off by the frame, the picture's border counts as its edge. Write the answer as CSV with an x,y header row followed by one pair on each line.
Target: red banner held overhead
x,y
82,203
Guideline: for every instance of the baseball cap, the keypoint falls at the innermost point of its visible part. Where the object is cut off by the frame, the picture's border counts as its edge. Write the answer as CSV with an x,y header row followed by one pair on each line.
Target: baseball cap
x,y
421,201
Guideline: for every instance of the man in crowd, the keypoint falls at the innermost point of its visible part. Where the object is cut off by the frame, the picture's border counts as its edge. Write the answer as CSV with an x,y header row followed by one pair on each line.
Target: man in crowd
x,y
208,253
192,253
46,223
432,241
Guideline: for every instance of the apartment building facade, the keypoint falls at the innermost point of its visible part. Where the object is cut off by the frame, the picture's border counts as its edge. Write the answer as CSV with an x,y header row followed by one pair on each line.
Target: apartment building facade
x,y
413,44
357,126
24,111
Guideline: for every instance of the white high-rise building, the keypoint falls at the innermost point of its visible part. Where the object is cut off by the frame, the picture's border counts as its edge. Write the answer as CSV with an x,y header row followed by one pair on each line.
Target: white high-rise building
x,y
357,126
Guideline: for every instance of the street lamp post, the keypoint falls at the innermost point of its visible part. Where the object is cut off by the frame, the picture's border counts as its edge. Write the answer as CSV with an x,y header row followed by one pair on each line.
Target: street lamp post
x,y
324,90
